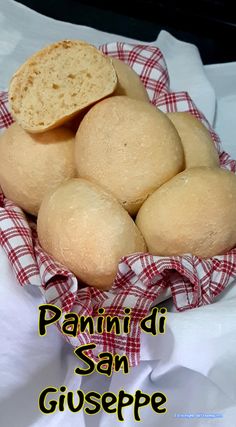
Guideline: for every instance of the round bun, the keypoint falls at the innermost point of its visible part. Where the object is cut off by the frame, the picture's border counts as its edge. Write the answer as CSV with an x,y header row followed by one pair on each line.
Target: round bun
x,y
129,82
88,231
195,213
31,164
128,147
57,82
199,149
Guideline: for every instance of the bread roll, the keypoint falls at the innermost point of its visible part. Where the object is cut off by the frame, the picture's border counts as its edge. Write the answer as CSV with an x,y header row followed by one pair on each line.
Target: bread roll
x,y
195,212
59,81
128,147
129,82
87,230
30,165
199,149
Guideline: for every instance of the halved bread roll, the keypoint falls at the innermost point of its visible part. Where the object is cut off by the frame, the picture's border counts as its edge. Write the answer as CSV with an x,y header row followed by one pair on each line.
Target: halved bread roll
x,y
59,81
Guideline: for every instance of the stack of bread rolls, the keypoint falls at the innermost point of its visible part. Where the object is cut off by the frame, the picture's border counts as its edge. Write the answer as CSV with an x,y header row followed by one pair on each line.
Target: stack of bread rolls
x,y
106,172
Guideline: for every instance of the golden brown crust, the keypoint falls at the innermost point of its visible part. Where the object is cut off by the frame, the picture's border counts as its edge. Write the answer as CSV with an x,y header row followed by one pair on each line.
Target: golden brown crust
x,y
195,212
128,82
31,164
87,230
128,147
199,149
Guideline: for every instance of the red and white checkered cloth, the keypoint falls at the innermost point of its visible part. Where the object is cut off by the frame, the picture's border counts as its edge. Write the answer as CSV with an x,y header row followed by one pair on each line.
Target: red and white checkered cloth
x,y
140,278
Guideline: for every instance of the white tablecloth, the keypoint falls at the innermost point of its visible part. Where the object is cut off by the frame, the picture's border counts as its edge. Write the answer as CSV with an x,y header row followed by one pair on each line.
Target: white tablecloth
x,y
194,362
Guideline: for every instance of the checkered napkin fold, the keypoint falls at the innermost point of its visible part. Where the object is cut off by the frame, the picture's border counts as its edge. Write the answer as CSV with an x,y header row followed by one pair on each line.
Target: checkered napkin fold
x,y
141,277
